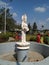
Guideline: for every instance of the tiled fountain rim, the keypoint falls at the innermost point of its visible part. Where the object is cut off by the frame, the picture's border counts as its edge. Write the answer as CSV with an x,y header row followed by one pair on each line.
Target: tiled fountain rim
x,y
41,48
40,44
11,47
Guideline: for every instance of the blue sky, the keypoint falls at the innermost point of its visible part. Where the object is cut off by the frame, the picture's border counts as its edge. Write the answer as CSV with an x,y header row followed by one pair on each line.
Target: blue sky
x,y
36,10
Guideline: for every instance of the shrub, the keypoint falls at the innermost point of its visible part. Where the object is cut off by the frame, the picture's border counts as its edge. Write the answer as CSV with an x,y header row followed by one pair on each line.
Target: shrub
x,y
33,38
10,34
4,37
28,36
46,39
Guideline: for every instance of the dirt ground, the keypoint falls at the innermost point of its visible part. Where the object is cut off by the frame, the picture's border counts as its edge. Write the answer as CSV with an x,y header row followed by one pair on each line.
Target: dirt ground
x,y
32,56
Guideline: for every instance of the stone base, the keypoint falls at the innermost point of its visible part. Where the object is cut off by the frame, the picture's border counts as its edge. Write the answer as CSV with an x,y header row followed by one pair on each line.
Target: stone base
x,y
22,45
22,51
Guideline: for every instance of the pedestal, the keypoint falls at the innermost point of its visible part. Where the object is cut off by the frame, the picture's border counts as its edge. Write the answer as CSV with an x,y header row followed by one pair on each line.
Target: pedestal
x,y
22,52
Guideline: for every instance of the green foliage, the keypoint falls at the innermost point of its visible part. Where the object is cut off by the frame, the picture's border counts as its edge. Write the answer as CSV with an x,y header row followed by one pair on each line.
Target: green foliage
x,y
10,22
34,27
10,34
29,26
28,37
4,37
46,39
31,37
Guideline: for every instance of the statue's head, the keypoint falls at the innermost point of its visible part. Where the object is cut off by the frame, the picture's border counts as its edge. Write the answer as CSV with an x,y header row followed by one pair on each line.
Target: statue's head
x,y
24,18
25,26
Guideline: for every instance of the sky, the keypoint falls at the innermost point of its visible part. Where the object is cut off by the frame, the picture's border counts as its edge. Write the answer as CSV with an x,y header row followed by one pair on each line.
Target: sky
x,y
36,11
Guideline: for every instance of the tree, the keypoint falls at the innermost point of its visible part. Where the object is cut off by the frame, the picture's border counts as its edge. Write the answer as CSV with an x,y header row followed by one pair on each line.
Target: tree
x,y
10,22
29,26
1,18
42,26
34,27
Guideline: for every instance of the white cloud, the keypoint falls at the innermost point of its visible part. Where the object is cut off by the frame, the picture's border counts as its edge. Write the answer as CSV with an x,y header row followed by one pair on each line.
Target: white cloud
x,y
3,3
47,19
45,6
40,9
10,7
14,14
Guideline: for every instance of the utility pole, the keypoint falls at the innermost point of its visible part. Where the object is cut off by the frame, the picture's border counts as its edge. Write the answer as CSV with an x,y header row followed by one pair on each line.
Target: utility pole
x,y
5,20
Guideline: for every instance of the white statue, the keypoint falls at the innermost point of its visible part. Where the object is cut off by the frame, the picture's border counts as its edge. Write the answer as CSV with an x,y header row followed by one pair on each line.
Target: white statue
x,y
24,44
23,47
24,28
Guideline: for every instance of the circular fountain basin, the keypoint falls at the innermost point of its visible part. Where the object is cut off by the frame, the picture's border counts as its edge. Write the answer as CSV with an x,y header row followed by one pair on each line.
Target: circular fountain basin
x,y
37,52
35,56
32,56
